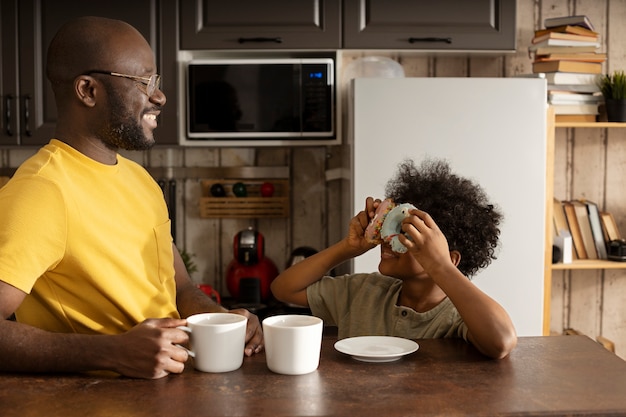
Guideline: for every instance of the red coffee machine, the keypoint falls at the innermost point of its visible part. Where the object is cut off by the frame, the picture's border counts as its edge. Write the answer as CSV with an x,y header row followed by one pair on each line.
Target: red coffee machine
x,y
250,274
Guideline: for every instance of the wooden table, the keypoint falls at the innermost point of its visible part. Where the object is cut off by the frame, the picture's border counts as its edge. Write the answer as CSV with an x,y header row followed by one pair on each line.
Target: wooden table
x,y
552,375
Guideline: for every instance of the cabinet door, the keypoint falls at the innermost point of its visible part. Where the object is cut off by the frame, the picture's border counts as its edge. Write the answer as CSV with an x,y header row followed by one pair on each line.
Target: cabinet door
x,y
253,24
429,25
8,73
37,24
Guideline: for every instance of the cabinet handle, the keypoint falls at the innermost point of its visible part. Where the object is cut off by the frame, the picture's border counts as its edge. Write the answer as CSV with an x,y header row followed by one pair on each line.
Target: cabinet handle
x,y
27,115
172,206
7,115
444,40
261,40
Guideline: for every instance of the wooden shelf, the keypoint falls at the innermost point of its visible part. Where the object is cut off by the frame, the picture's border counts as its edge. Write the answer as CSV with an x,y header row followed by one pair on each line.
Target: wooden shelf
x,y
253,205
589,264
591,125
549,267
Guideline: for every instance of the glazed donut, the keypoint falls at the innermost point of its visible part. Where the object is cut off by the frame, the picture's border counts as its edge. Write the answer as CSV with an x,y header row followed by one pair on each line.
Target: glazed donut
x,y
372,232
392,226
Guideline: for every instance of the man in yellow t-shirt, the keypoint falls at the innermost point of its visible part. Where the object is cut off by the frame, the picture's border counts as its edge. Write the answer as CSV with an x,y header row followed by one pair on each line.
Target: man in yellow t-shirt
x,y
87,261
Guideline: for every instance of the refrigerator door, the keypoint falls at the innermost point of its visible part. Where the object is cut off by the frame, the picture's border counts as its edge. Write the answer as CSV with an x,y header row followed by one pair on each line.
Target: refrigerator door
x,y
492,130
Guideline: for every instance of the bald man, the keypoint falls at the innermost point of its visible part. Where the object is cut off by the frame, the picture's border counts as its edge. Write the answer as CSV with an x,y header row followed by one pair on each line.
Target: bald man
x,y
87,261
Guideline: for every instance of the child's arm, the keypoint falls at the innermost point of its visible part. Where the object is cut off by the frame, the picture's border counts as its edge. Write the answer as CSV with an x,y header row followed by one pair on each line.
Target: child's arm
x,y
490,328
291,285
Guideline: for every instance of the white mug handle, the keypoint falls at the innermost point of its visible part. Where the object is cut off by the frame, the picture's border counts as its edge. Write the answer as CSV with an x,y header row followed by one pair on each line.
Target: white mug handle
x,y
188,330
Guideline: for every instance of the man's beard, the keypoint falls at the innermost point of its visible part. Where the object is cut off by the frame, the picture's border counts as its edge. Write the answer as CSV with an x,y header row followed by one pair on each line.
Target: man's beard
x,y
122,131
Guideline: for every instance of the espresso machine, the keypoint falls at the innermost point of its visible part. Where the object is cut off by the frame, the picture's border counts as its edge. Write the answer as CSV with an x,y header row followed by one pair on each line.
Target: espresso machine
x,y
250,273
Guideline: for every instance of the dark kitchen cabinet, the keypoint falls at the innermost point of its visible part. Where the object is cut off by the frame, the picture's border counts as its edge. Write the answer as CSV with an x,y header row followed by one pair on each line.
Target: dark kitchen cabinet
x,y
28,109
253,24
429,25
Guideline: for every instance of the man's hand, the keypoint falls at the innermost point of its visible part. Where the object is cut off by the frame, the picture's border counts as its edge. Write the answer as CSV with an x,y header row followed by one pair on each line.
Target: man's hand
x,y
254,332
149,349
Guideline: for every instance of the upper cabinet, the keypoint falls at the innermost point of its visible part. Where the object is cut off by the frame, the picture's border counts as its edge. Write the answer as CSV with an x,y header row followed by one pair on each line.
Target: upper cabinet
x,y
480,25
485,25
28,110
253,24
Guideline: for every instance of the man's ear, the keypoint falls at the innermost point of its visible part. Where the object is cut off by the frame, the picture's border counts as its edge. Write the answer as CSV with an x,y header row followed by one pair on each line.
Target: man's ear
x,y
455,257
85,90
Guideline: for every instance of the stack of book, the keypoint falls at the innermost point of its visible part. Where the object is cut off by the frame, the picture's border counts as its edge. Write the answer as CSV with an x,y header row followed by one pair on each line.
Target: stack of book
x,y
566,51
590,228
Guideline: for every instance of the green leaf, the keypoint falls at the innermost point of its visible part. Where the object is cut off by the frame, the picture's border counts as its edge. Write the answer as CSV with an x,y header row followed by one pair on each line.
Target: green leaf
x,y
188,261
613,86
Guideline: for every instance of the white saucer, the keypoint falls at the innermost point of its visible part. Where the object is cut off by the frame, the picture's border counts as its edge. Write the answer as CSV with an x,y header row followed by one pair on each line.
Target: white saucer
x,y
376,348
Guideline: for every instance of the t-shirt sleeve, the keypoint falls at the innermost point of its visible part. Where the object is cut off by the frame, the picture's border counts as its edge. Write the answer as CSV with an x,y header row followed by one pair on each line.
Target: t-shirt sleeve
x,y
32,231
329,298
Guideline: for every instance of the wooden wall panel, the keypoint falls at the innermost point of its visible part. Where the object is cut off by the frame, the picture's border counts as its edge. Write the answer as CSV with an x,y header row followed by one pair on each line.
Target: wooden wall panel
x,y
614,289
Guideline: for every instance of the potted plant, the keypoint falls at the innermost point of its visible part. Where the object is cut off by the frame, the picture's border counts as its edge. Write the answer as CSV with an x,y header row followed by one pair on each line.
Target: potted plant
x,y
613,88
190,265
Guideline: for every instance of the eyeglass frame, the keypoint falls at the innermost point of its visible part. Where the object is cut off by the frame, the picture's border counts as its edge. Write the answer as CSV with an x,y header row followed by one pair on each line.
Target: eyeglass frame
x,y
146,81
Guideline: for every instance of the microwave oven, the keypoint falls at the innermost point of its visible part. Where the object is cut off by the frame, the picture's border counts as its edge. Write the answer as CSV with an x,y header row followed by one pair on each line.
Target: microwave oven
x,y
263,101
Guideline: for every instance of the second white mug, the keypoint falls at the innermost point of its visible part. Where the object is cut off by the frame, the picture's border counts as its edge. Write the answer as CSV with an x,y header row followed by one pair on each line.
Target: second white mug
x,y
292,343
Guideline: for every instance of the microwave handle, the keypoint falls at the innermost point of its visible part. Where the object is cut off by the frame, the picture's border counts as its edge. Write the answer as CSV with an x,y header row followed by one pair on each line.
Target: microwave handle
x,y
261,40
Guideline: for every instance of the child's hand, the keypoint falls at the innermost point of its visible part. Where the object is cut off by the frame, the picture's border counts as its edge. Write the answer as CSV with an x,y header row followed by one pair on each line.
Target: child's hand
x,y
356,232
427,243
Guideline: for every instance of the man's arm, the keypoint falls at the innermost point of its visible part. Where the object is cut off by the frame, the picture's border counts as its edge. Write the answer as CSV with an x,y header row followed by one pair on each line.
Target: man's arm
x,y
191,300
146,351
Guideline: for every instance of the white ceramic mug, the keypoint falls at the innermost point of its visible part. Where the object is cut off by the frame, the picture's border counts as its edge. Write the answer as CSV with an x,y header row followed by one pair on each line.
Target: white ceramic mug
x,y
217,341
292,343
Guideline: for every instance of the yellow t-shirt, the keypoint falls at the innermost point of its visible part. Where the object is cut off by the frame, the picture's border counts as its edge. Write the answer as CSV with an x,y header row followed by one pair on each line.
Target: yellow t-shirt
x,y
90,243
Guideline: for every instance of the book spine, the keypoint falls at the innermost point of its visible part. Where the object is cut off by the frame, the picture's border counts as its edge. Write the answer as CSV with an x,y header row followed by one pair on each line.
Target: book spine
x,y
596,229
572,222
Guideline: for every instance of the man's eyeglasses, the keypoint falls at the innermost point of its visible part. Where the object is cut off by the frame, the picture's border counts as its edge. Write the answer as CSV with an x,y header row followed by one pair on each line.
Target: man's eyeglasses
x,y
147,84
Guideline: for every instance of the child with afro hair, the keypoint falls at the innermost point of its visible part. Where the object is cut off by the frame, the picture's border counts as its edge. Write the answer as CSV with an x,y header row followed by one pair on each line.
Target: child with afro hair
x,y
424,292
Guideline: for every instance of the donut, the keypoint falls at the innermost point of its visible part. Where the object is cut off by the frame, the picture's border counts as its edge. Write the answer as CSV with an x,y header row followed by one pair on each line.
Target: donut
x,y
372,232
392,226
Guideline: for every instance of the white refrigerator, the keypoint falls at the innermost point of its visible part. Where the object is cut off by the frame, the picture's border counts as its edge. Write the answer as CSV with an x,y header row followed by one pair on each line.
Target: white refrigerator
x,y
492,130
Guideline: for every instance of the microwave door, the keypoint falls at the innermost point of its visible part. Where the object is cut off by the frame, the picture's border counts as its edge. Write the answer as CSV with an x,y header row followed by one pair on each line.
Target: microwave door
x,y
259,99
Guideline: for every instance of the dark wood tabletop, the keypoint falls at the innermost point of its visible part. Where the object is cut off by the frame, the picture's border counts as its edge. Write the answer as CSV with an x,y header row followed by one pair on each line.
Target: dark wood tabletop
x,y
547,376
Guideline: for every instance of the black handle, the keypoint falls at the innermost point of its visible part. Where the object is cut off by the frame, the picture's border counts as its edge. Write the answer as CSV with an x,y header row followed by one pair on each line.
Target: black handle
x,y
161,183
7,115
261,40
172,206
27,115
432,40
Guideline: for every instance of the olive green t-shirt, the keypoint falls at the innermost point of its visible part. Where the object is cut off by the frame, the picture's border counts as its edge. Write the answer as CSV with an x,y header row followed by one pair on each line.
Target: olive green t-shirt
x,y
365,305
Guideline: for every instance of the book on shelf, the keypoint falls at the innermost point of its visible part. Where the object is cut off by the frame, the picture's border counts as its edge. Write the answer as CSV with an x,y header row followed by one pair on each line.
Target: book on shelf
x,y
570,78
561,232
568,66
575,20
574,228
596,228
563,36
577,30
575,118
547,50
559,219
609,226
582,215
574,88
590,109
570,97
582,57
562,42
